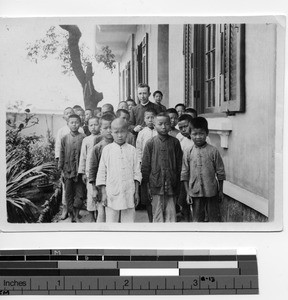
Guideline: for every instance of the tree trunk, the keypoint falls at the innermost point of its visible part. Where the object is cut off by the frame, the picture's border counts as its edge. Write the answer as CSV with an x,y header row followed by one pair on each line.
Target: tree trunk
x,y
90,95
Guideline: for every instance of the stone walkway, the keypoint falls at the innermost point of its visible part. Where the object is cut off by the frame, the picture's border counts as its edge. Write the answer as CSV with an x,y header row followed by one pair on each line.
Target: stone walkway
x,y
141,217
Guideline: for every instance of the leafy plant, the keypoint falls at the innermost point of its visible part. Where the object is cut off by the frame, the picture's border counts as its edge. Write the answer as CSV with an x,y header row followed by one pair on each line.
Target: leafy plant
x,y
18,106
54,44
19,208
24,167
106,57
15,140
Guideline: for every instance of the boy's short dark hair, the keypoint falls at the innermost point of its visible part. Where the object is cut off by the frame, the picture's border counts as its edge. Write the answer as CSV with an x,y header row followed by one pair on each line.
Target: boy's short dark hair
x,y
144,85
74,116
69,107
185,117
77,107
163,114
200,123
180,104
122,110
94,118
107,117
131,100
123,101
171,111
108,105
157,92
150,110
191,110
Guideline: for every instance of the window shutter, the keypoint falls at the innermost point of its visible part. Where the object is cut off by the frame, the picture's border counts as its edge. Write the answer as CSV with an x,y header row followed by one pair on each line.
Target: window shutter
x,y
187,62
234,68
139,62
145,59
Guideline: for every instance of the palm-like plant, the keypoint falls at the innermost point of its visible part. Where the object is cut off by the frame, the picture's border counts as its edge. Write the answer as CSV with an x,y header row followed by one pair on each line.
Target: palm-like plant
x,y
19,208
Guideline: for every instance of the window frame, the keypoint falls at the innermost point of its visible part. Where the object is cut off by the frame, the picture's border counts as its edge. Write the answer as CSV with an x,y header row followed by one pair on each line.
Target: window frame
x,y
197,57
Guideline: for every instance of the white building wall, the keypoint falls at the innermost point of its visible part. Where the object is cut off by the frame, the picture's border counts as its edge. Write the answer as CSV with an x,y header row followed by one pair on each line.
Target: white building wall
x,y
176,65
249,160
152,31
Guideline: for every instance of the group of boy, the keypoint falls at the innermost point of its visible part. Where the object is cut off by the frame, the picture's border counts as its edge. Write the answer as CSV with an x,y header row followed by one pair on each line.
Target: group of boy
x,y
142,153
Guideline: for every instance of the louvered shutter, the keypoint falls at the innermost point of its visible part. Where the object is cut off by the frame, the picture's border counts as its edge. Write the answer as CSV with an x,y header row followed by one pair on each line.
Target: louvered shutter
x,y
145,59
234,68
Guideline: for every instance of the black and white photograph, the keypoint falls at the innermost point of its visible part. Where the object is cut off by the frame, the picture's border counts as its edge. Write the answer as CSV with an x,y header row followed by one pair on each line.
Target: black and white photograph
x,y
142,123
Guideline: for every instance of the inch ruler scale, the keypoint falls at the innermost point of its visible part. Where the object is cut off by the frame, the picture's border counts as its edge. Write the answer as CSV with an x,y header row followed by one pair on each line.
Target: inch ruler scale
x,y
128,272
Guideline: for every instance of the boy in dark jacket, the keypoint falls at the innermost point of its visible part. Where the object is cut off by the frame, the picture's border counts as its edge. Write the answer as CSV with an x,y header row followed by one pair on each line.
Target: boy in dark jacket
x,y
70,150
161,169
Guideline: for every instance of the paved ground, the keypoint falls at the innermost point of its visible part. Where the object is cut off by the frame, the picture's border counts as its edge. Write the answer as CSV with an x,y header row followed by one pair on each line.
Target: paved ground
x,y
141,217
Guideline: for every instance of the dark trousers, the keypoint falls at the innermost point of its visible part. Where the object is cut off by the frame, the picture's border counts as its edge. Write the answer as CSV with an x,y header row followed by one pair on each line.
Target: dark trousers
x,y
213,209
74,193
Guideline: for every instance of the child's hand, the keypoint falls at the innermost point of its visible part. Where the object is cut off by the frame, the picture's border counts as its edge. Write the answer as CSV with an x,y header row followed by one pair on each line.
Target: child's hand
x,y
220,196
84,178
94,193
136,199
149,191
137,128
189,200
104,200
62,178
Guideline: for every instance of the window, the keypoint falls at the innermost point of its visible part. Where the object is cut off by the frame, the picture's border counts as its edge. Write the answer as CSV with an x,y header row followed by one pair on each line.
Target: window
x,y
142,60
217,67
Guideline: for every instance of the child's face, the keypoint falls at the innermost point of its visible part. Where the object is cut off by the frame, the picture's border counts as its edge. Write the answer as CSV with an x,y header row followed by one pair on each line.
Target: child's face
x,y
73,124
105,129
173,119
88,115
162,125
198,136
123,105
180,110
149,119
158,98
68,112
124,117
94,126
130,105
97,113
119,134
185,128
81,114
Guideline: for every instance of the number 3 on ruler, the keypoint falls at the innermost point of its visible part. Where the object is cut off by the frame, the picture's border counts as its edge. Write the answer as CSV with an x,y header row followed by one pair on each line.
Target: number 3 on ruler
x,y
195,282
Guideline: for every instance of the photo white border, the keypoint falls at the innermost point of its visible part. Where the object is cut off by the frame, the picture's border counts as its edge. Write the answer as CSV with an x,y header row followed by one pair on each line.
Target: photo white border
x,y
271,247
274,223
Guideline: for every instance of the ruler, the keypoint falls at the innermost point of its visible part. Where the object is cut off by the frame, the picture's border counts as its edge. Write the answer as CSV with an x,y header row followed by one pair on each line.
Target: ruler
x,y
128,272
